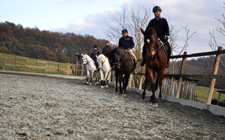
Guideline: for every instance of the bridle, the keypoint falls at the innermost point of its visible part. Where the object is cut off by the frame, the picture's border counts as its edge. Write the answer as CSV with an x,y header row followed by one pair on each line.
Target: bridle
x,y
154,40
122,60
87,60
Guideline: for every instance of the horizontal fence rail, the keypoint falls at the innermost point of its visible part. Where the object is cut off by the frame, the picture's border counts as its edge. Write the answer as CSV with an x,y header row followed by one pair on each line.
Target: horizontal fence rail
x,y
181,75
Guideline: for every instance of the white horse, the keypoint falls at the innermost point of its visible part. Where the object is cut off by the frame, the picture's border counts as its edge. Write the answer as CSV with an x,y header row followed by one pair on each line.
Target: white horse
x,y
90,67
105,70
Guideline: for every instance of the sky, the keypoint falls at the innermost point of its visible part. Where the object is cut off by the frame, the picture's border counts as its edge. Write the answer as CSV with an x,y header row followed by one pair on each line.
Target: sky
x,y
88,16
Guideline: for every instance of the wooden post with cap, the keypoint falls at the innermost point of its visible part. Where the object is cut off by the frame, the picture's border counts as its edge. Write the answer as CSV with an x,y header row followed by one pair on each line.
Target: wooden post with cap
x,y
213,81
181,72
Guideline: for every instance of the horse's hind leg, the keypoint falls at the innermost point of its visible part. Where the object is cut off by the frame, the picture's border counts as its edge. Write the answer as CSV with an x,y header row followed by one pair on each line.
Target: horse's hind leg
x,y
88,75
117,76
120,82
146,84
160,86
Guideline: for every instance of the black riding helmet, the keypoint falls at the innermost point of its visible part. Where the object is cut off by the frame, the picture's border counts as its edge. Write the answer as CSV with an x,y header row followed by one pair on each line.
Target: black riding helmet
x,y
124,31
156,8
95,46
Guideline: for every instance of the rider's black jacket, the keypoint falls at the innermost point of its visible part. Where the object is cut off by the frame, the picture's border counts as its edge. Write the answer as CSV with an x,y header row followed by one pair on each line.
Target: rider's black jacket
x,y
126,42
161,26
94,54
106,50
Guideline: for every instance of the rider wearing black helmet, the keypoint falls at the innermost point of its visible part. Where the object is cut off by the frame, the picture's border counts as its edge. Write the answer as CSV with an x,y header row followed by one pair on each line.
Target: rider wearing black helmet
x,y
95,54
162,29
126,42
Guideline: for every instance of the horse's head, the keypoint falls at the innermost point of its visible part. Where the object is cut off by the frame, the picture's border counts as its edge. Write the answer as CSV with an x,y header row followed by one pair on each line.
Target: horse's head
x,y
84,58
150,39
100,59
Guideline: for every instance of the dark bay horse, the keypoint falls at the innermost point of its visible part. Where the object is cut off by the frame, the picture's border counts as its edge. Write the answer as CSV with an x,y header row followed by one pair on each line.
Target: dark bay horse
x,y
123,67
156,61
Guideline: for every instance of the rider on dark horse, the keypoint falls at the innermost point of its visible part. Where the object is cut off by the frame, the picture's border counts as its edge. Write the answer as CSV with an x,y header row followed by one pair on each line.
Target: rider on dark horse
x,y
126,42
107,49
162,29
94,55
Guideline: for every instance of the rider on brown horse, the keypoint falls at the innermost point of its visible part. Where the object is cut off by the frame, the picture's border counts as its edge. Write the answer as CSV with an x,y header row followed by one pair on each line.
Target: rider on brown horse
x,y
162,29
126,42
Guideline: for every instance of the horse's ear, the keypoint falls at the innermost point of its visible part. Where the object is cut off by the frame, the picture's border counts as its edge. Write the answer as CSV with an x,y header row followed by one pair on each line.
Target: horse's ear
x,y
143,32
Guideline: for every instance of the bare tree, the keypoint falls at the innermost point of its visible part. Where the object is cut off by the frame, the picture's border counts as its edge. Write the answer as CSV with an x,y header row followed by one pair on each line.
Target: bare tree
x,y
131,19
213,43
173,42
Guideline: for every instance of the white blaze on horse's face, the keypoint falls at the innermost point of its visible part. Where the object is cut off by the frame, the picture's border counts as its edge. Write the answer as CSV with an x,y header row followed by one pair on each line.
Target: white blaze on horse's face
x,y
148,40
84,59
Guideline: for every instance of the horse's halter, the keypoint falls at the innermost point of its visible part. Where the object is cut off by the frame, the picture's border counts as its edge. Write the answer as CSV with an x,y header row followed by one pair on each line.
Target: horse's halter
x,y
120,61
86,60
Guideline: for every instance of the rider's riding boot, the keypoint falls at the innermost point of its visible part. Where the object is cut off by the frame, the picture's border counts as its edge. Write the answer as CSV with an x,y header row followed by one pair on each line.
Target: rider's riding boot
x,y
143,56
169,53
135,63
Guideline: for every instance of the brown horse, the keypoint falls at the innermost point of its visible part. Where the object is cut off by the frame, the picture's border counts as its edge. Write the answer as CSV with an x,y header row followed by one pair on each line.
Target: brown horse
x,y
156,61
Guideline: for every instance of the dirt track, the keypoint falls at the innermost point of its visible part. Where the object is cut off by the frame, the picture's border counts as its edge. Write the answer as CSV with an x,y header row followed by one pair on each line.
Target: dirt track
x,y
33,107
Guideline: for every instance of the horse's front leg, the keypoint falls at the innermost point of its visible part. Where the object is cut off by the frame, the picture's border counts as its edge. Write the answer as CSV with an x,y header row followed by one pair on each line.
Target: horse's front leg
x,y
92,74
126,80
160,80
108,78
117,76
120,82
88,75
147,76
101,77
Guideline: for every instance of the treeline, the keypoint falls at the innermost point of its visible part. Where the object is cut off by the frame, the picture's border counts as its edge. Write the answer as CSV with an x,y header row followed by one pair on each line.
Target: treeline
x,y
55,46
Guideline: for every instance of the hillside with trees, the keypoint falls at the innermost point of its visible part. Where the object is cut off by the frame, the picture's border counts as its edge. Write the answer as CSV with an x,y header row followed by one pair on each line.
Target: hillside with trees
x,y
34,43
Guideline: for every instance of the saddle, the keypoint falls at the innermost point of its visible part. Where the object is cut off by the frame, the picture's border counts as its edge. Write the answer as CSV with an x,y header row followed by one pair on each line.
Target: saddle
x,y
166,47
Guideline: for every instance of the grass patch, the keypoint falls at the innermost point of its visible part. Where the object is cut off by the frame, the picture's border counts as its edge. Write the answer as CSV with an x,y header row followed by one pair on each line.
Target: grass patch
x,y
18,64
202,93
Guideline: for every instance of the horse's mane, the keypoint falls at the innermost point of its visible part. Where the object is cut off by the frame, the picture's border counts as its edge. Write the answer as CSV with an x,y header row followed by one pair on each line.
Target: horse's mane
x,y
88,56
149,32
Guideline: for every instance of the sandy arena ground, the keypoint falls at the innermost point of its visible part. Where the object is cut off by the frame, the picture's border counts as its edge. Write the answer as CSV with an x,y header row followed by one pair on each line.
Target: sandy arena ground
x,y
35,107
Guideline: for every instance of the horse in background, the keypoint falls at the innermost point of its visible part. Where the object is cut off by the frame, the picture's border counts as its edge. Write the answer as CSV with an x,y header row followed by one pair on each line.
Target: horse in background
x,y
105,70
90,67
123,65
156,61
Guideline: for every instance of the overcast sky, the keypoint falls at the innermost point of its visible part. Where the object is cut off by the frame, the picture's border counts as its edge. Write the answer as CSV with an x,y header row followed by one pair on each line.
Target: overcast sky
x,y
88,16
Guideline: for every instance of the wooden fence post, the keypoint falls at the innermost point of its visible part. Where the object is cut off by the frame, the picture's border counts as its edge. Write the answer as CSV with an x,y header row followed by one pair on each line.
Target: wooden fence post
x,y
25,65
181,79
82,69
130,80
213,81
76,65
4,63
58,68
68,66
46,67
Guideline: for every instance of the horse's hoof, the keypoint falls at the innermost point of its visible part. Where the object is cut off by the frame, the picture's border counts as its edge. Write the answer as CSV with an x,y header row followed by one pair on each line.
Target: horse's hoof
x,y
102,86
124,95
155,105
106,86
89,83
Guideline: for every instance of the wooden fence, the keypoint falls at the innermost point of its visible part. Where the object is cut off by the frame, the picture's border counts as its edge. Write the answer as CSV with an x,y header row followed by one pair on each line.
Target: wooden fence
x,y
46,66
181,74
